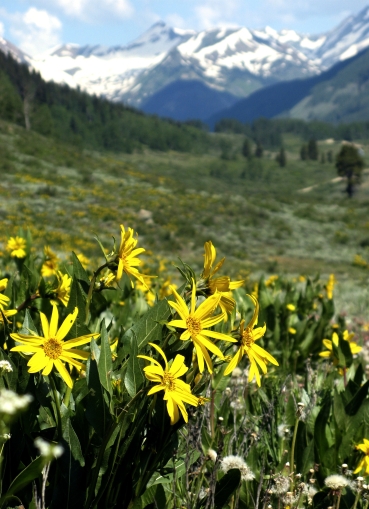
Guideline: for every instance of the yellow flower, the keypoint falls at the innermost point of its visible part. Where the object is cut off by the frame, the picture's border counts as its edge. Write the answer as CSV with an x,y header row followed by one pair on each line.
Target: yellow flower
x,y
83,260
62,292
292,330
17,247
222,284
4,300
271,280
195,323
291,307
127,256
364,462
6,313
176,392
146,290
51,350
107,280
330,286
258,356
354,347
50,265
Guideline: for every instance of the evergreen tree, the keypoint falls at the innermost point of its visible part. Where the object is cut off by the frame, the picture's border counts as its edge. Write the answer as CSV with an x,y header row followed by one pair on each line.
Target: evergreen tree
x,y
281,158
259,150
349,164
246,149
313,150
304,153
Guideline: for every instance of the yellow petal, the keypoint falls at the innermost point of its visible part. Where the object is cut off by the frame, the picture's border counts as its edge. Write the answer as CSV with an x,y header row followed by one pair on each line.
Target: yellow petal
x,y
66,325
161,353
45,324
54,322
155,389
235,360
63,372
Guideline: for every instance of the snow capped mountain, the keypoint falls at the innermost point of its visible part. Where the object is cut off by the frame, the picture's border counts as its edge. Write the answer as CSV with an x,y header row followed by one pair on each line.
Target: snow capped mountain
x,y
109,71
9,48
345,41
236,60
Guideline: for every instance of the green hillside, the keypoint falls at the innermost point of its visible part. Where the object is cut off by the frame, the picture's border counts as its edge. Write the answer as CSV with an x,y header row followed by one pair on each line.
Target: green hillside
x,y
83,120
343,98
294,220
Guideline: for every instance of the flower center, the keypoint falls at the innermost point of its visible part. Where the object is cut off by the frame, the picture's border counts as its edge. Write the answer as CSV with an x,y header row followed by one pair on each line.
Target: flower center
x,y
193,325
53,348
247,337
169,381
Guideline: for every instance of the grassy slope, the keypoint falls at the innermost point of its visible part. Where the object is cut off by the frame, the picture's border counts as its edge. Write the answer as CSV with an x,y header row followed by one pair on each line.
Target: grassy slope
x,y
261,220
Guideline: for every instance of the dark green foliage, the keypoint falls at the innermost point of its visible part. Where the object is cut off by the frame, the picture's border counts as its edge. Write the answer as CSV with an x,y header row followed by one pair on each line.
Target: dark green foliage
x,y
281,158
312,150
349,164
330,156
322,158
246,148
76,117
231,125
259,150
304,153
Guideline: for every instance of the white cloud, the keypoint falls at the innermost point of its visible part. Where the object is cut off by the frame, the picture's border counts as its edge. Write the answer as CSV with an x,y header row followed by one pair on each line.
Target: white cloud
x,y
2,29
175,20
215,13
92,10
35,30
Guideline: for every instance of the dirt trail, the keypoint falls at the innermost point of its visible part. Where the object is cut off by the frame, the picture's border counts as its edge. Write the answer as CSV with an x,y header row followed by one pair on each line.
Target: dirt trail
x,y
331,181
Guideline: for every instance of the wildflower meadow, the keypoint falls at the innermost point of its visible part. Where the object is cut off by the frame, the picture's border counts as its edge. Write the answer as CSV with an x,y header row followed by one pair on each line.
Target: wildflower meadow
x,y
124,387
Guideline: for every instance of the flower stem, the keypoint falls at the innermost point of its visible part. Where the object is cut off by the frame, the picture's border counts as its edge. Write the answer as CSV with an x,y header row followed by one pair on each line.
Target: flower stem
x,y
57,406
292,461
338,499
356,499
68,392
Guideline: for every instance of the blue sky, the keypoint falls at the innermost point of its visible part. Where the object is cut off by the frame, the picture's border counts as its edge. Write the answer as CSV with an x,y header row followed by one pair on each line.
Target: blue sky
x,y
36,25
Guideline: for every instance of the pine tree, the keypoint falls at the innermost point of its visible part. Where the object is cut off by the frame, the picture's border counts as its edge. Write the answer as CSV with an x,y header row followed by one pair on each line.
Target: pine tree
x,y
313,150
259,150
246,149
304,153
281,158
349,164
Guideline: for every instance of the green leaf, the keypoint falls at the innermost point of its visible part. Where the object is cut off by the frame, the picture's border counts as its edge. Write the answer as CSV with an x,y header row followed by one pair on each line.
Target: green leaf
x,y
226,487
79,272
72,442
147,329
105,362
134,376
307,458
96,409
31,472
154,493
28,324
353,406
77,299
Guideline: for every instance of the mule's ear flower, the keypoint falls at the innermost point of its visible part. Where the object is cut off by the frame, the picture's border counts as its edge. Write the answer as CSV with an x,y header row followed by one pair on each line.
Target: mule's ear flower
x,y
176,391
196,323
258,356
16,246
364,462
221,284
50,350
127,256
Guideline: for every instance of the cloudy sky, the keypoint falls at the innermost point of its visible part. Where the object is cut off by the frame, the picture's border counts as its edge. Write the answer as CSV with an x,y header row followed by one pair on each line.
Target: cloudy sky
x,y
37,25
